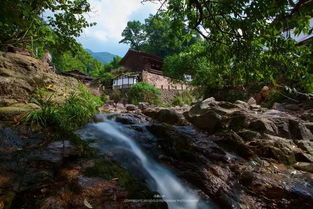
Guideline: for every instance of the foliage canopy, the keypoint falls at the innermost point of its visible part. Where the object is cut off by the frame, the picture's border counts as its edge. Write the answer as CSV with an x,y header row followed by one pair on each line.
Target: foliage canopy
x,y
58,22
245,43
158,36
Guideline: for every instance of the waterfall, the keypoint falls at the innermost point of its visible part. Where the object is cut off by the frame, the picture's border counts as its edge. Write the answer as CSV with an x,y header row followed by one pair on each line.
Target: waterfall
x,y
159,178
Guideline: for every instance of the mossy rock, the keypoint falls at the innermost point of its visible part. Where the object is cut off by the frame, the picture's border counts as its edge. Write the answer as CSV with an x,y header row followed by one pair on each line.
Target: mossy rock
x,y
18,109
109,170
7,102
6,199
173,142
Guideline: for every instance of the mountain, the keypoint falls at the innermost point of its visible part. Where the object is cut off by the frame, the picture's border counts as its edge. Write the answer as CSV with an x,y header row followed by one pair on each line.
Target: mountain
x,y
104,57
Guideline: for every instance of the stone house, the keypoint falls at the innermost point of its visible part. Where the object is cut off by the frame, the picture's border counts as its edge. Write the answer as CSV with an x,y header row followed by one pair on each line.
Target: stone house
x,y
140,66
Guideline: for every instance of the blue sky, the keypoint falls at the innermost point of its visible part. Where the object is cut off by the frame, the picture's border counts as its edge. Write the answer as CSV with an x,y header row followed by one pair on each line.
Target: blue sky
x,y
111,18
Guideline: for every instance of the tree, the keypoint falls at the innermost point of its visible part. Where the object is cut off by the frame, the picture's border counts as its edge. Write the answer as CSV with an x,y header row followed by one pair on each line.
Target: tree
x,y
134,34
244,42
80,60
158,35
242,20
22,22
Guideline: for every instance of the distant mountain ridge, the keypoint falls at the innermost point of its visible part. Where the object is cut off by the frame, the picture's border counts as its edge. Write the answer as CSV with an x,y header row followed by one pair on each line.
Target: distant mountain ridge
x,y
104,57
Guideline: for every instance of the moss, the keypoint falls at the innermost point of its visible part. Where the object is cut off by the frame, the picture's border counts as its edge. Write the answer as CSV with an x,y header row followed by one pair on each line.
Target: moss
x,y
109,170
7,199
16,110
93,140
274,96
82,146
173,142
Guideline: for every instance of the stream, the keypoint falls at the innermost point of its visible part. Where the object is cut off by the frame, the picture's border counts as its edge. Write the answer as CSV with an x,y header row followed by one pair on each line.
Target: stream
x,y
120,141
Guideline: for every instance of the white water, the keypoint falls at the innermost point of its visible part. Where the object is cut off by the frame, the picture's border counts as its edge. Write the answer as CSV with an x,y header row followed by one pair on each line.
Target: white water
x,y
172,191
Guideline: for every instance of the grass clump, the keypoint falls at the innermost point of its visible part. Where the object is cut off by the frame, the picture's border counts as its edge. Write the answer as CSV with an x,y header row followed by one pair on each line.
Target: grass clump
x,y
144,92
184,98
69,116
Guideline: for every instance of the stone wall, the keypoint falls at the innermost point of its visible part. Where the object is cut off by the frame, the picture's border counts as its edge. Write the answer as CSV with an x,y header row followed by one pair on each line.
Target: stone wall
x,y
168,95
162,82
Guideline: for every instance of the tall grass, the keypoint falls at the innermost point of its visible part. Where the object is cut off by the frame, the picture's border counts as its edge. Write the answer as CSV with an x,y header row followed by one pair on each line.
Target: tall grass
x,y
184,98
69,116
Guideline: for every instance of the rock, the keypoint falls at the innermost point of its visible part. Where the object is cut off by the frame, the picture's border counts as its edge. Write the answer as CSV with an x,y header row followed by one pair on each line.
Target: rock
x,y
128,119
7,102
120,106
16,110
307,115
99,118
57,151
238,120
251,101
304,166
233,143
10,140
208,102
17,50
170,117
305,145
208,120
292,107
299,131
255,107
278,106
131,107
263,125
281,149
249,135
143,105
21,75
150,112
309,126
242,104
172,141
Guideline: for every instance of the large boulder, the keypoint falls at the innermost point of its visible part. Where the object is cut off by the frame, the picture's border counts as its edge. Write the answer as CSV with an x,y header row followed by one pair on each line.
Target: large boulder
x,y
263,125
16,110
169,116
299,131
21,75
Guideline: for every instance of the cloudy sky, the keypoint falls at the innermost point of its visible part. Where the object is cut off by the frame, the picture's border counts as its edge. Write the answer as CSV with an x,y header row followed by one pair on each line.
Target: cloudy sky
x,y
111,18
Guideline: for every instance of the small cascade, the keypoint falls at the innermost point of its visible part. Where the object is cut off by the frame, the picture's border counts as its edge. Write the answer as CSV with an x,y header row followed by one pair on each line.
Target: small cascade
x,y
112,137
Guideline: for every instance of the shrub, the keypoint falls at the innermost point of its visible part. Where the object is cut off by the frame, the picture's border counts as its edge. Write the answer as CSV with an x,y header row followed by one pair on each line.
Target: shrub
x,y
69,116
105,98
144,92
184,98
46,116
275,96
78,109
116,95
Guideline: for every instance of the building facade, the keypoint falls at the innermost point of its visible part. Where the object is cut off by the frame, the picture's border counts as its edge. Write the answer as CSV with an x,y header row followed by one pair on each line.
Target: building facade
x,y
144,67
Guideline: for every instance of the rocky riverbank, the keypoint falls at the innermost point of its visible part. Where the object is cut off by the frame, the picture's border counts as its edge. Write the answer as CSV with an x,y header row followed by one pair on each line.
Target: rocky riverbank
x,y
239,155
236,154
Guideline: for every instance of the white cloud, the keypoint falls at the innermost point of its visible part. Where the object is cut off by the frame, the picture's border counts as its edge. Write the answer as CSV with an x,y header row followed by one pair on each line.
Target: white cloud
x,y
112,17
